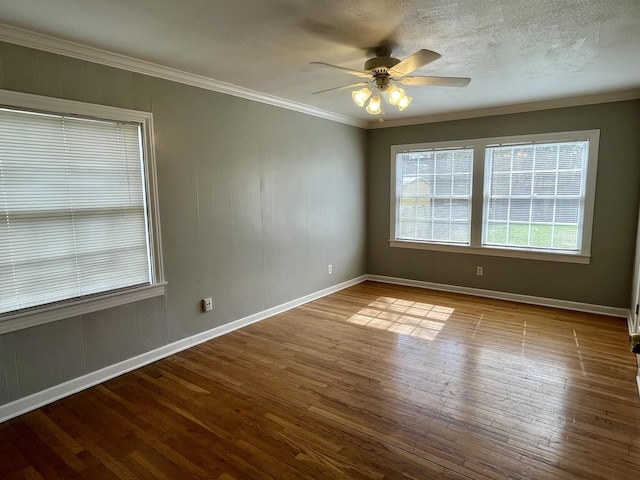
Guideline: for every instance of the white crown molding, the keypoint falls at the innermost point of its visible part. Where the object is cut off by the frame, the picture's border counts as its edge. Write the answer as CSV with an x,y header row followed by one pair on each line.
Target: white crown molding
x,y
67,48
617,96
50,44
511,297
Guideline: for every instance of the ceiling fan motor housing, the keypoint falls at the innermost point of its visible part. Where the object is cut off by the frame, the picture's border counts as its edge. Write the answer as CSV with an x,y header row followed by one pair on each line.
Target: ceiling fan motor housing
x,y
379,67
380,64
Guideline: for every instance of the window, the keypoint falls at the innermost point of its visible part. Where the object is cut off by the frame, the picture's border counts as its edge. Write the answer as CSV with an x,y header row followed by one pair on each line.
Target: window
x,y
78,208
527,196
435,195
534,195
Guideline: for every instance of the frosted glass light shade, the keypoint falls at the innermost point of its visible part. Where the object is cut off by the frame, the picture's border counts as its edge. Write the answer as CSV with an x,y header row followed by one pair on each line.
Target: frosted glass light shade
x,y
395,94
375,104
360,96
404,102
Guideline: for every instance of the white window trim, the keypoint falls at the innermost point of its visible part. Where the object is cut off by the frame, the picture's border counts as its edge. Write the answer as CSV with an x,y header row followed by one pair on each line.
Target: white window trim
x,y
475,246
67,309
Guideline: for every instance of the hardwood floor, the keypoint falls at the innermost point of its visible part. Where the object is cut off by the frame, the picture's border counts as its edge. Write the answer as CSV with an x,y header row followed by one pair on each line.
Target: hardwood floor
x,y
373,382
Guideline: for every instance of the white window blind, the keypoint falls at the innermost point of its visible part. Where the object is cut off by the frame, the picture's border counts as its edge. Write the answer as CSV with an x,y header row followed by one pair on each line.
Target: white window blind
x,y
434,190
535,195
72,208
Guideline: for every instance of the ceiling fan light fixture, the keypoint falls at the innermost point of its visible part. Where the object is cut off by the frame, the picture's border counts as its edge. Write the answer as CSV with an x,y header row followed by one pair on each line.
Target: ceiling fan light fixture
x,y
395,94
385,73
361,96
375,105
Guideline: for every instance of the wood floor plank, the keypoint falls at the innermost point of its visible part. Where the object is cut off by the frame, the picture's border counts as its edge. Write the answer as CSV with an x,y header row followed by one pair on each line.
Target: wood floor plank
x,y
373,382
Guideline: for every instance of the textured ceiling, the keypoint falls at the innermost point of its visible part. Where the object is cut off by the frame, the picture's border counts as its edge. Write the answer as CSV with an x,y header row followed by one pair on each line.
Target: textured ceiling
x,y
515,51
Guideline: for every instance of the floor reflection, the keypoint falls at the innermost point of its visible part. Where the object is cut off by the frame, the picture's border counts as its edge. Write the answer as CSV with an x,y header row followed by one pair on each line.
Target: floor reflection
x,y
415,319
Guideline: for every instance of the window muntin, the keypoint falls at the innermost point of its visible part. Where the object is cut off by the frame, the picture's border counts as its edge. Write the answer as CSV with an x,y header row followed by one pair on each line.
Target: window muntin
x,y
78,226
535,195
435,195
558,192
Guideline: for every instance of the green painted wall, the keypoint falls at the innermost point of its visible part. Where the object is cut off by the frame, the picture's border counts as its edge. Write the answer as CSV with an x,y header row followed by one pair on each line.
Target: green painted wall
x,y
605,281
255,201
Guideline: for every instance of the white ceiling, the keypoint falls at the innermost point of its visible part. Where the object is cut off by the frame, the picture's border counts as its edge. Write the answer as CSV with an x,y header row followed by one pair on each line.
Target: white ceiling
x,y
515,51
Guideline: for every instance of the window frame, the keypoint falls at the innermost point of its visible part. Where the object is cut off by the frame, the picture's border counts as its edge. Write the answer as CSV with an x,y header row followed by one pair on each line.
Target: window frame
x,y
38,315
479,191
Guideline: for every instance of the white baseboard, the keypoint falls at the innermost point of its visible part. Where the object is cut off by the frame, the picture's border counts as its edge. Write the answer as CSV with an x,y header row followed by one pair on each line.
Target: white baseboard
x,y
36,400
512,297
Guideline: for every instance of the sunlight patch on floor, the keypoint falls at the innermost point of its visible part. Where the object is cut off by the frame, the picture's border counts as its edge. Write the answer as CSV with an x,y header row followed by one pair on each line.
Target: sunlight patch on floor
x,y
575,337
415,319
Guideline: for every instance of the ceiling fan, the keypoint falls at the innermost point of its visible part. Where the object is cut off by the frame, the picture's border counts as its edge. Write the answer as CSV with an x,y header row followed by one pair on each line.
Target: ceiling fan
x,y
383,72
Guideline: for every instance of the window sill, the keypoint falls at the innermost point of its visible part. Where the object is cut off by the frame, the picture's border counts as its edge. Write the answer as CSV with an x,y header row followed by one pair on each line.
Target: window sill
x,y
495,251
39,316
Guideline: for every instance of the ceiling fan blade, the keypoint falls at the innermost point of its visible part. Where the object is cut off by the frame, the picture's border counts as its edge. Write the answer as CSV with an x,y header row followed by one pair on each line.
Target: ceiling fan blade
x,y
353,85
413,62
436,81
345,70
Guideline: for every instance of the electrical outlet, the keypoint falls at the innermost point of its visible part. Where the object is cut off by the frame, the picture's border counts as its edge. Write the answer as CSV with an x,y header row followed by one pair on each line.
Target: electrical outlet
x,y
207,305
479,271
329,269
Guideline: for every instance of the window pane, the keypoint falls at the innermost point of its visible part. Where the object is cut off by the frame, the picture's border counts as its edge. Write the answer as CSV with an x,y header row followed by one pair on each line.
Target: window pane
x,y
459,232
519,210
565,236
571,156
461,162
425,164
435,196
544,183
523,159
541,235
518,234
547,157
441,209
461,184
460,210
410,166
521,183
499,210
502,160
444,164
501,184
537,202
567,211
496,233
543,211
569,183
